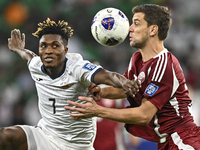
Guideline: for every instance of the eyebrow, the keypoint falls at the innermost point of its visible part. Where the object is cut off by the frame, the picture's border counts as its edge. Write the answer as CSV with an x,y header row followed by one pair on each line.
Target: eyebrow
x,y
136,20
54,42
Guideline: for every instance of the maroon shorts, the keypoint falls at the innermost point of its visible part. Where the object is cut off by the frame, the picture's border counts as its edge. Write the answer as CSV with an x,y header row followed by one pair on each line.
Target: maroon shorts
x,y
189,139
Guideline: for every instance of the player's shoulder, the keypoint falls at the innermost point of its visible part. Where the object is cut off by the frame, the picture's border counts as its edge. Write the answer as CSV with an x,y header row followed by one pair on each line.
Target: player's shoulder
x,y
163,52
74,60
165,55
35,61
136,54
74,56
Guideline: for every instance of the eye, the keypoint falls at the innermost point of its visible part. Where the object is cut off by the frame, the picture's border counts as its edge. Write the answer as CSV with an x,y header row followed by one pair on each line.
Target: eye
x,y
136,23
55,46
43,45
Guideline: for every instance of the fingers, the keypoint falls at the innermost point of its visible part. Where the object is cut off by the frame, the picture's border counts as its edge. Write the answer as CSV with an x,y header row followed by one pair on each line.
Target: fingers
x,y
23,37
74,103
79,111
16,34
129,92
83,98
132,87
92,86
75,113
77,106
93,89
77,116
96,98
74,110
139,83
12,34
136,85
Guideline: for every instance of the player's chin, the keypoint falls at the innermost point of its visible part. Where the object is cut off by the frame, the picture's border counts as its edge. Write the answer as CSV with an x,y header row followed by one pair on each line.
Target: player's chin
x,y
131,43
50,67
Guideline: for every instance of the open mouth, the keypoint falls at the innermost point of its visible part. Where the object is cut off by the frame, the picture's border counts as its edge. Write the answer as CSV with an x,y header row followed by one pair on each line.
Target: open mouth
x,y
48,59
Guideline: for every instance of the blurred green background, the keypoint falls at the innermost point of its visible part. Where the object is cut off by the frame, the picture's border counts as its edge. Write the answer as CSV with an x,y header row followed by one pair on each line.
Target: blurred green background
x,y
18,99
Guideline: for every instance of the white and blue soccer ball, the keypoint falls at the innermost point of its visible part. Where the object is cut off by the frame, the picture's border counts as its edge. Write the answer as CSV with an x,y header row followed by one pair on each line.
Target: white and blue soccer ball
x,y
110,27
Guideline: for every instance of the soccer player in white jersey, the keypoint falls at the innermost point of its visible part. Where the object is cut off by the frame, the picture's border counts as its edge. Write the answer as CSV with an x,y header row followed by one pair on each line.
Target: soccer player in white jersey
x,y
59,76
159,111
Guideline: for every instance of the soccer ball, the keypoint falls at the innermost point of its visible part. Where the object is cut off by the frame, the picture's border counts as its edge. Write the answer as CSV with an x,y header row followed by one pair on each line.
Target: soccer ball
x,y
110,27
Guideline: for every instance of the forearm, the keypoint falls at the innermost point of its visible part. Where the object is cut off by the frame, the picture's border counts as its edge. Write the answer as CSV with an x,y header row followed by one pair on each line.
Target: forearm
x,y
129,115
141,115
112,93
25,54
116,80
109,78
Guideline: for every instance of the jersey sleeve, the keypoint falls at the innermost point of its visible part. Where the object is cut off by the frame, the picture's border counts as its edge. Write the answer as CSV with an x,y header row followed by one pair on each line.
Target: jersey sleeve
x,y
162,81
85,71
34,65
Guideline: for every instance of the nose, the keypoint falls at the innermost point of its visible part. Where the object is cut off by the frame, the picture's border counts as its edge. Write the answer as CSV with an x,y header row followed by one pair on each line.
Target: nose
x,y
131,28
49,50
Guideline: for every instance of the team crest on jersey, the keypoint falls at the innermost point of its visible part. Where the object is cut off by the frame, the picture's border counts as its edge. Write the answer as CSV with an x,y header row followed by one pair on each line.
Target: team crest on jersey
x,y
151,89
89,66
141,77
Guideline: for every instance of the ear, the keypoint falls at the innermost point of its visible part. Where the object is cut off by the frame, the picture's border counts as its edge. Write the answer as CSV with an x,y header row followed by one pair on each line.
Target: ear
x,y
66,50
153,30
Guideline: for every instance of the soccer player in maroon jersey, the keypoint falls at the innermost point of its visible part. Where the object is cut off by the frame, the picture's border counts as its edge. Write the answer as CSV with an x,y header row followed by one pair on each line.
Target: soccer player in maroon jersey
x,y
159,111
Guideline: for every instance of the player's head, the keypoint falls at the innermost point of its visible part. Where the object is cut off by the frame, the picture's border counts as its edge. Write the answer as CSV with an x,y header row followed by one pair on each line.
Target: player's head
x,y
53,43
156,15
50,27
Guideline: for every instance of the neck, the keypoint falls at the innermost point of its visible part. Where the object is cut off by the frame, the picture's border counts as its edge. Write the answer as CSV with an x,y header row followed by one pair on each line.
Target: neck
x,y
151,49
56,71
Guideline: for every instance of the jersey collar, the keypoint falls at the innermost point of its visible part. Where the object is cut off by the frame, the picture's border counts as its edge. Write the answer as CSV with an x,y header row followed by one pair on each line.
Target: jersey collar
x,y
59,74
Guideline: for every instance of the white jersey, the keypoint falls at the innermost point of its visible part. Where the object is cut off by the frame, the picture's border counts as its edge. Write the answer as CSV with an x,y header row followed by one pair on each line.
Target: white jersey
x,y
53,93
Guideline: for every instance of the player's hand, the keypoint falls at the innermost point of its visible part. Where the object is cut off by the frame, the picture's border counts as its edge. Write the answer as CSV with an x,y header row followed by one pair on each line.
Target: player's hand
x,y
86,110
95,90
17,40
131,87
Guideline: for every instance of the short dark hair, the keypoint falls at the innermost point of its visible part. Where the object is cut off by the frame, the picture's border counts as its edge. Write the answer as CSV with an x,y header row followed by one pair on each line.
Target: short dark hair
x,y
50,27
156,15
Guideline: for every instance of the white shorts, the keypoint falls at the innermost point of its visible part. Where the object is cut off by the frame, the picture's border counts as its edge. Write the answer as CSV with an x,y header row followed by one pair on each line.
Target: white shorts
x,y
38,140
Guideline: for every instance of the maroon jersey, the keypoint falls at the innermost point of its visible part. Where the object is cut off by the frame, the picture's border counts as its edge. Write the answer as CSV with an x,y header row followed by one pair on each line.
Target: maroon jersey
x,y
163,84
109,133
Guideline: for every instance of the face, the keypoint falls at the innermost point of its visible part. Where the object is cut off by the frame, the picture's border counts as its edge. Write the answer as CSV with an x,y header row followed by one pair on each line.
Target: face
x,y
52,51
138,31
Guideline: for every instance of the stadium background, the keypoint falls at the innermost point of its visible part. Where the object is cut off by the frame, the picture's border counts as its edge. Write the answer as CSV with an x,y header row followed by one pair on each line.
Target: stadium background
x,y
18,100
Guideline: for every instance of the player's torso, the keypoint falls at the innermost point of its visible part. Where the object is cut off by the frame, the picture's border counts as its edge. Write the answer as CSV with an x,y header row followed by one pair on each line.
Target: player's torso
x,y
53,95
155,82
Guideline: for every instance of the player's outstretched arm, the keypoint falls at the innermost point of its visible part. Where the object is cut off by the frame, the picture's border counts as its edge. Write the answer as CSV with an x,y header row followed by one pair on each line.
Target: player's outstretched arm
x,y
17,44
141,115
108,92
130,87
